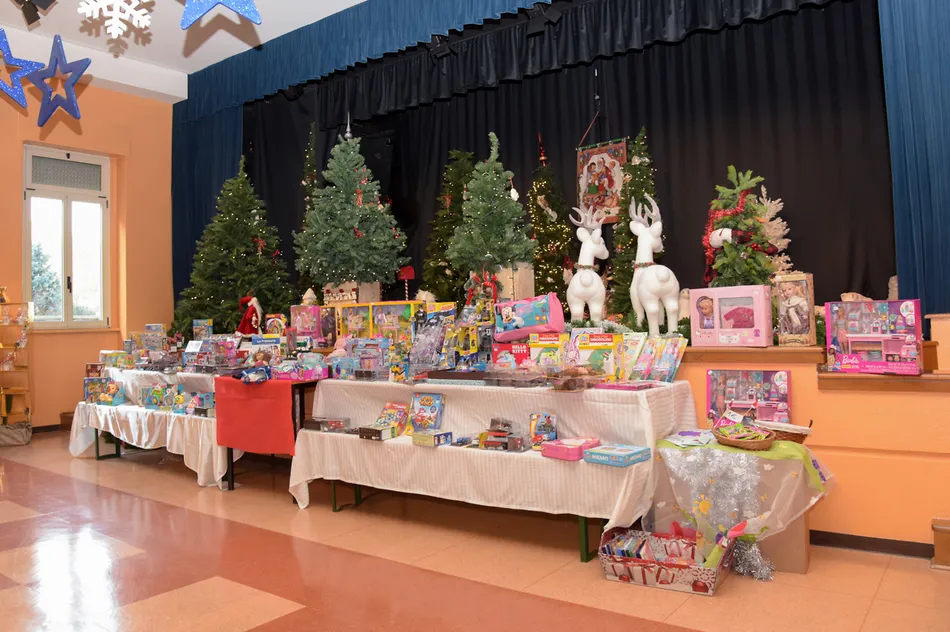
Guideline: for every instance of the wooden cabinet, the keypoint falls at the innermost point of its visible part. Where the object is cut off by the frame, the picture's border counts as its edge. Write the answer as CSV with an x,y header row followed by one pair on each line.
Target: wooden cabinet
x,y
16,322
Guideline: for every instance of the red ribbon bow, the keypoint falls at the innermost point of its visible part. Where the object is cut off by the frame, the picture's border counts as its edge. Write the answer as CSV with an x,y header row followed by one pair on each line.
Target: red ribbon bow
x,y
260,245
486,281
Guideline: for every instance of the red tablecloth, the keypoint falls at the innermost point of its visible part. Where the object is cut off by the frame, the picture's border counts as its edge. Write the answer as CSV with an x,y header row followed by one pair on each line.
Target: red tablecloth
x,y
255,418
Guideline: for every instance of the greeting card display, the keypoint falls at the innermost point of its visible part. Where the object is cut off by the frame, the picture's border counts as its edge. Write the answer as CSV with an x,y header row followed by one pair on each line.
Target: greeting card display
x,y
763,395
738,316
795,293
875,337
426,412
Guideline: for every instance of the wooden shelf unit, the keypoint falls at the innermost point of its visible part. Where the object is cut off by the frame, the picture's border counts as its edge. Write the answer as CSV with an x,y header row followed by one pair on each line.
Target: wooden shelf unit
x,y
16,388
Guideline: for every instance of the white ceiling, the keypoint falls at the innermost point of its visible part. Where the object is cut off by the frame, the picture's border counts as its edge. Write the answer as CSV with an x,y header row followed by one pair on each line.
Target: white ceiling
x,y
165,54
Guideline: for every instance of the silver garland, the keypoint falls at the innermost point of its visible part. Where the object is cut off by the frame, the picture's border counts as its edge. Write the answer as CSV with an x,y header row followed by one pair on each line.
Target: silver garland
x,y
749,561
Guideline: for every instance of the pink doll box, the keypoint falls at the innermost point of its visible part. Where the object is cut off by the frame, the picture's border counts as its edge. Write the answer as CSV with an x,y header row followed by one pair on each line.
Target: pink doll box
x,y
305,319
764,393
731,316
568,449
875,337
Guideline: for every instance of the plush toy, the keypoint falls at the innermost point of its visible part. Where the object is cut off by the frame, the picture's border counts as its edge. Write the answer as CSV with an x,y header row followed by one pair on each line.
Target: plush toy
x,y
253,315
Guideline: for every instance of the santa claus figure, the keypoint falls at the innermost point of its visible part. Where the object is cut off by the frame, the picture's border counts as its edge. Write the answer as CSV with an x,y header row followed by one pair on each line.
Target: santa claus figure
x,y
253,316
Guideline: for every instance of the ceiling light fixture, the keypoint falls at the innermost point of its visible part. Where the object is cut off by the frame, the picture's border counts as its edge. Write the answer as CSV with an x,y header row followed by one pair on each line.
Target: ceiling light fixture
x,y
540,16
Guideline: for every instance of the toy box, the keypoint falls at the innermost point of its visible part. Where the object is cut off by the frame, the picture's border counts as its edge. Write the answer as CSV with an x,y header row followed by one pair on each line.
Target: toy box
x,y
668,362
664,561
395,415
548,350
763,395
426,412
159,397
275,324
440,312
355,320
517,320
195,401
298,372
395,320
202,328
543,428
327,424
509,355
94,369
795,294
601,352
738,316
568,449
617,455
150,341
155,329
102,390
378,433
305,319
117,359
431,438
875,337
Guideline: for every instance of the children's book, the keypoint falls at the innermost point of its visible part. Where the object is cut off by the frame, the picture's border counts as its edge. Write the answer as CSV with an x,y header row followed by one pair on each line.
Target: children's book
x,y
652,350
395,415
426,412
93,387
668,362
633,344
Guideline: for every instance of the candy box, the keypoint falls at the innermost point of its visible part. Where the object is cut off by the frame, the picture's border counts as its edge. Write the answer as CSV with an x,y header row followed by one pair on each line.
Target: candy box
x,y
738,316
378,433
509,355
548,350
664,561
617,455
431,438
568,449
875,337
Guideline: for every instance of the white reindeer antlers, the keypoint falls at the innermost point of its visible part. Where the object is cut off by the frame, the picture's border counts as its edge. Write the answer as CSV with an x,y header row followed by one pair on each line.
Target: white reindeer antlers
x,y
639,213
589,219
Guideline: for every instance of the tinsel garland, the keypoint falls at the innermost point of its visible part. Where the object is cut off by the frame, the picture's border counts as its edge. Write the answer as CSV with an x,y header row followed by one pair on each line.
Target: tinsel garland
x,y
749,561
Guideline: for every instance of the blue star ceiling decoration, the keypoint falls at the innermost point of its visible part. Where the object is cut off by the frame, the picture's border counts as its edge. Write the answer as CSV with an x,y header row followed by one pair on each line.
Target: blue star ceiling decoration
x,y
196,9
23,68
57,62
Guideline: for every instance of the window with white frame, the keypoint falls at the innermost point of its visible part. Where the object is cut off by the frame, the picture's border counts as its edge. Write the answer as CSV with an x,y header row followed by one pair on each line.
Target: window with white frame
x,y
66,237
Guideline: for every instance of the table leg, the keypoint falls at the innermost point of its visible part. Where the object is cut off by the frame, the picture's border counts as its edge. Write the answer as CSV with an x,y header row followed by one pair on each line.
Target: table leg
x,y
584,539
118,448
230,472
357,497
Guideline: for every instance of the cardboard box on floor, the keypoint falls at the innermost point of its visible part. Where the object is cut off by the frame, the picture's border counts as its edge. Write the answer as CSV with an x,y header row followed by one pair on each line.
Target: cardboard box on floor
x,y
790,549
941,527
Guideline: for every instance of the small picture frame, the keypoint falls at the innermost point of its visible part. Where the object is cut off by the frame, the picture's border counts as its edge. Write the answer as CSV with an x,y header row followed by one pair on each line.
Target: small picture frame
x,y
795,295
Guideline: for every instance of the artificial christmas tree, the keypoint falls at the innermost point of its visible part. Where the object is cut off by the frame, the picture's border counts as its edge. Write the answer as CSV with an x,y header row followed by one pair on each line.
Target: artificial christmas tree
x,y
775,231
637,184
438,275
492,234
737,248
349,234
547,214
237,255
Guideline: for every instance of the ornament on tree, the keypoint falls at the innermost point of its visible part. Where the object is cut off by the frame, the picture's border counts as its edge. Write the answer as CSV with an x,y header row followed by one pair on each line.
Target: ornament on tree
x,y
253,315
587,287
654,287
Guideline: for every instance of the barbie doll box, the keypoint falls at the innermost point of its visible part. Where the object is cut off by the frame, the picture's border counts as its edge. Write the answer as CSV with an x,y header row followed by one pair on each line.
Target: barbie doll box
x,y
795,293
874,337
738,316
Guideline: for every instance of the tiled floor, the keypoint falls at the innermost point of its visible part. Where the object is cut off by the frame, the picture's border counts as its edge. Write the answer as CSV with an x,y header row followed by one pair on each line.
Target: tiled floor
x,y
134,544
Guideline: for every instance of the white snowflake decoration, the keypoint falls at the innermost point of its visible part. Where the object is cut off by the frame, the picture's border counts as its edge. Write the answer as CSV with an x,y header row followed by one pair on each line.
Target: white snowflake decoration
x,y
119,14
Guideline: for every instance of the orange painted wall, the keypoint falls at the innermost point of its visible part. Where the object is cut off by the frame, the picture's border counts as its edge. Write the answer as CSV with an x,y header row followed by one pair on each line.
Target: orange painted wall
x,y
889,451
136,134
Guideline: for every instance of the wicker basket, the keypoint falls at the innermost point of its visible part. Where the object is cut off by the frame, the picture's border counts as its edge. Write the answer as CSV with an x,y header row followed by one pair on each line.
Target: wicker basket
x,y
754,446
788,432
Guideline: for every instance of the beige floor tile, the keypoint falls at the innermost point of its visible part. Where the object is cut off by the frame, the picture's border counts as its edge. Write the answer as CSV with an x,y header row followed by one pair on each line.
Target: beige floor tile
x,y
742,604
910,580
84,554
412,543
22,611
206,606
584,584
499,561
10,511
886,616
840,570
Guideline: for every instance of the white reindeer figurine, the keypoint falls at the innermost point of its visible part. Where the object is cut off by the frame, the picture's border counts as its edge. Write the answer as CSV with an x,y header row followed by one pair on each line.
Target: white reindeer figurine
x,y
653,286
587,287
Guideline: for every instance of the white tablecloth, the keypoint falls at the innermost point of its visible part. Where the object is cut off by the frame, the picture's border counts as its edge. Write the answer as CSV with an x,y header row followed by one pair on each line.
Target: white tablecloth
x,y
516,481
194,438
134,381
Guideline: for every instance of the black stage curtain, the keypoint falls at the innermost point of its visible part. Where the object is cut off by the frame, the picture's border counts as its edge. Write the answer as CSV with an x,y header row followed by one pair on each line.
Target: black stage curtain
x,y
798,98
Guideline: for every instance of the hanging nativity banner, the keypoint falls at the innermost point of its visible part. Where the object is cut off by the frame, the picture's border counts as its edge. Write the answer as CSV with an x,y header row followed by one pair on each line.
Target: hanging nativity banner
x,y
600,177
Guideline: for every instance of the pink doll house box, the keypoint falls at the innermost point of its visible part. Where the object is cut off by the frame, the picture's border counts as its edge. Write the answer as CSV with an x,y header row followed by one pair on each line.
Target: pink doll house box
x,y
874,337
738,316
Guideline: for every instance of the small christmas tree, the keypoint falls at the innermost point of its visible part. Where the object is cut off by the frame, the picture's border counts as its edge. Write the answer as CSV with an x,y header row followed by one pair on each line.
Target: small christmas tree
x,y
238,254
737,248
438,275
637,183
775,231
309,185
547,213
348,234
492,234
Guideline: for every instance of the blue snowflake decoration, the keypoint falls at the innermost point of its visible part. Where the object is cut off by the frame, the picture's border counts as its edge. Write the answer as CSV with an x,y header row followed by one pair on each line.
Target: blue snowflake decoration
x,y
196,9
24,68
57,62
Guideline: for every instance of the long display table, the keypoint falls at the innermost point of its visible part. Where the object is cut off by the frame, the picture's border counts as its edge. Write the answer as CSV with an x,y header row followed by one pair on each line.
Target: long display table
x,y
133,381
186,435
524,481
